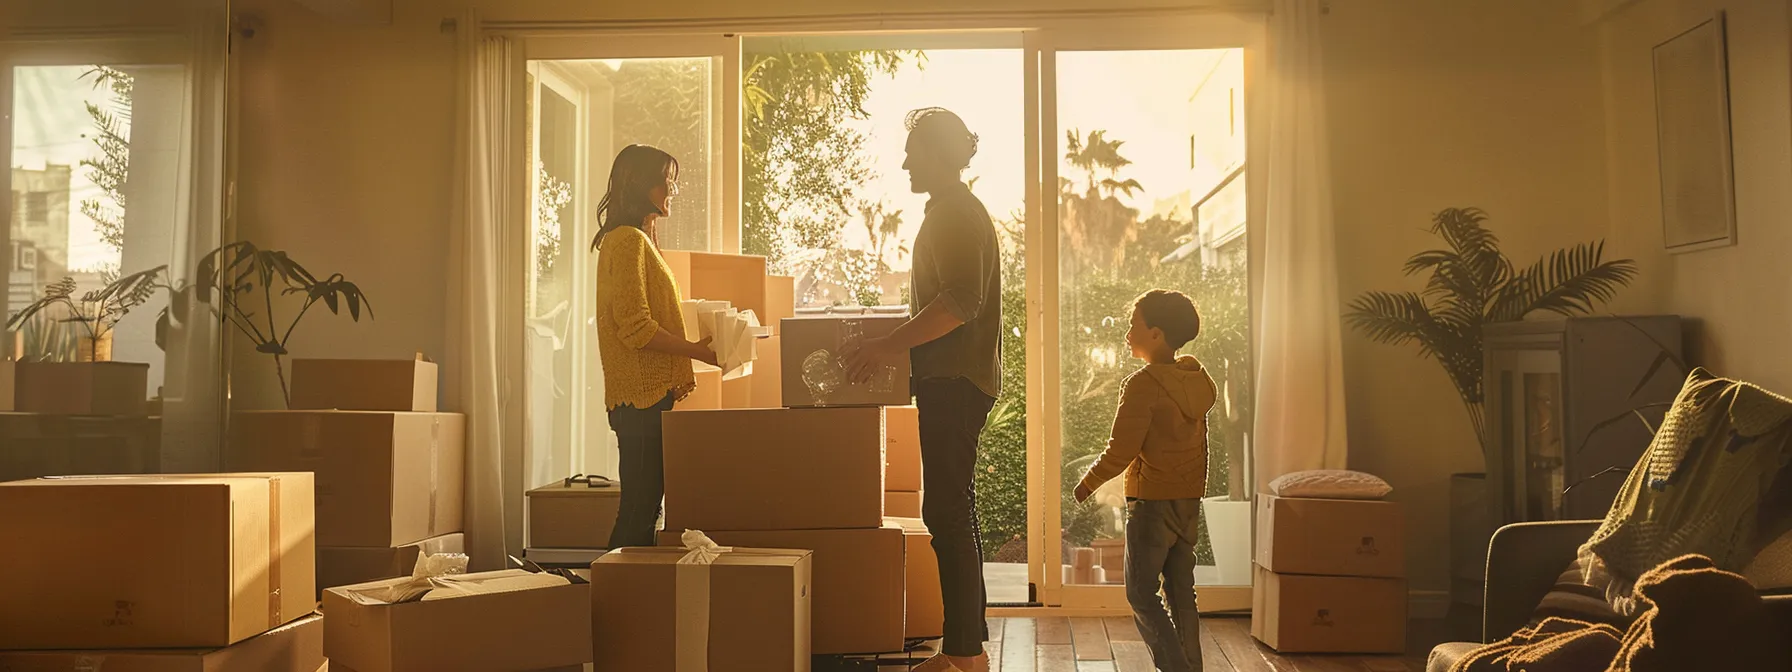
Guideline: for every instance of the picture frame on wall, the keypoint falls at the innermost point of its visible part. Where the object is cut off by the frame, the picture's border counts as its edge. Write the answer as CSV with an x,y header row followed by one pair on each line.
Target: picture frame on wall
x,y
1692,117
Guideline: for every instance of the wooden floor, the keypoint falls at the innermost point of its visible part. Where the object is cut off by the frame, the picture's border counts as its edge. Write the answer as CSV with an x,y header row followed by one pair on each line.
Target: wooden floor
x,y
1114,645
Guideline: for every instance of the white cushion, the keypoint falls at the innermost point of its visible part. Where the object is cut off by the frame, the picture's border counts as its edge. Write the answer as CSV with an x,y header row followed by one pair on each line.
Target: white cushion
x,y
1330,484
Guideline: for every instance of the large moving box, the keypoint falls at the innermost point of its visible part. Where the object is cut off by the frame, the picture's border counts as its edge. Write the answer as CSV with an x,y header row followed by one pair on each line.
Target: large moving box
x,y
1333,537
364,385
349,565
115,562
294,647
82,388
780,300
814,362
383,479
858,578
902,431
926,615
902,504
572,516
34,445
738,279
1297,613
774,469
767,381
505,620
646,609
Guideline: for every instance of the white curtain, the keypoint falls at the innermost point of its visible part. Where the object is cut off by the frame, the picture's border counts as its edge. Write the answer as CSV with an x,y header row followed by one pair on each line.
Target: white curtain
x,y
484,313
1300,374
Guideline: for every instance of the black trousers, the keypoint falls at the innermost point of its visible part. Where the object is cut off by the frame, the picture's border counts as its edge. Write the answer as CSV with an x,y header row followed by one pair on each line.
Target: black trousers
x,y
952,414
642,470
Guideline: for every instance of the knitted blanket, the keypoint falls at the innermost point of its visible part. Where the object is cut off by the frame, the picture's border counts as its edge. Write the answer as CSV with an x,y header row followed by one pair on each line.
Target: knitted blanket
x,y
1695,617
1700,486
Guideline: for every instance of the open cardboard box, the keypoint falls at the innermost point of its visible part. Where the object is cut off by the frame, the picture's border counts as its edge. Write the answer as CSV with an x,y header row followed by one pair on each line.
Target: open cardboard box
x,y
350,565
504,620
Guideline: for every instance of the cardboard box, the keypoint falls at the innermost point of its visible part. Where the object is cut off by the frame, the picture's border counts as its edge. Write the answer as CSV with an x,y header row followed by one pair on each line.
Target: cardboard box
x,y
82,388
348,565
1296,613
7,375
902,431
737,393
707,395
117,562
767,380
364,384
758,602
780,300
925,614
774,469
1334,537
572,516
505,620
735,278
814,364
858,577
383,479
902,504
294,647
34,445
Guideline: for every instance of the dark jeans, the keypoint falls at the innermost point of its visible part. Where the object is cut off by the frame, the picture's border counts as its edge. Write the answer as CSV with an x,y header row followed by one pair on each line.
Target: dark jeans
x,y
952,412
1160,542
643,472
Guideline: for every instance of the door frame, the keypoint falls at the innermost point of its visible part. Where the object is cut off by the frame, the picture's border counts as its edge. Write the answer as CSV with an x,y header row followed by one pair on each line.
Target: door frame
x,y
1044,393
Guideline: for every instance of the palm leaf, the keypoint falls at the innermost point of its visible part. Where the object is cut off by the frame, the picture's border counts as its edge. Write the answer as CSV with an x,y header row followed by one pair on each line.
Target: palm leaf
x,y
1568,282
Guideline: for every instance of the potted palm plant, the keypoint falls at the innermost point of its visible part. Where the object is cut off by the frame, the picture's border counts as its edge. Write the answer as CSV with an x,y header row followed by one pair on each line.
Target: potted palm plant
x,y
49,380
1472,284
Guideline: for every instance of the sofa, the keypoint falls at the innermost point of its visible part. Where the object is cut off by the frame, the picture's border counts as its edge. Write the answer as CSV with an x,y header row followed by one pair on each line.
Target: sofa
x,y
1523,562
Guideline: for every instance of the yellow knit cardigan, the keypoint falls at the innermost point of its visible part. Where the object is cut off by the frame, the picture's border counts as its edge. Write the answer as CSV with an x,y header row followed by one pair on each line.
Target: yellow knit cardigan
x,y
636,297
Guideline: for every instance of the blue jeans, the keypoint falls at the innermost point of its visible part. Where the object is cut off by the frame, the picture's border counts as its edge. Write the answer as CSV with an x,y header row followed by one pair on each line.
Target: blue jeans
x,y
952,412
1160,554
642,470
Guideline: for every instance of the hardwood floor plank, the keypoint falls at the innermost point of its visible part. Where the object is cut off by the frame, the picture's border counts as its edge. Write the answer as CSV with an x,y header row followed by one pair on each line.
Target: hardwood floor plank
x,y
1122,629
1055,657
1091,639
1018,643
994,649
1052,631
1390,664
995,629
1094,666
1212,658
1233,635
1132,657
1326,663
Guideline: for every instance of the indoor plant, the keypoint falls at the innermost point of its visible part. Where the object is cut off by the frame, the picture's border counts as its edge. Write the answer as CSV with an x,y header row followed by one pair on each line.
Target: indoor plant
x,y
226,281
97,311
1471,284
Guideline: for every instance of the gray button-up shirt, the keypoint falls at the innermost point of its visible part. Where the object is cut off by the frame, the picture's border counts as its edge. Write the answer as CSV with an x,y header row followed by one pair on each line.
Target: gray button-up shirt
x,y
958,262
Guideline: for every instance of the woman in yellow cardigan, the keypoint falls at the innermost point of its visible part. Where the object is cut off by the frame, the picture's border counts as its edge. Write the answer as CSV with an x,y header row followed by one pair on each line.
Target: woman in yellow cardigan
x,y
640,331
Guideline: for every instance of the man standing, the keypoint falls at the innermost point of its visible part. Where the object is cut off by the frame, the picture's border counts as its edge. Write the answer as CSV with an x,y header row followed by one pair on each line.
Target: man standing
x,y
954,345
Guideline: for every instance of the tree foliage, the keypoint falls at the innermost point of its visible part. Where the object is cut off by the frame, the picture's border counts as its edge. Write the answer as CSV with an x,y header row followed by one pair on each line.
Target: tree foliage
x,y
112,168
802,164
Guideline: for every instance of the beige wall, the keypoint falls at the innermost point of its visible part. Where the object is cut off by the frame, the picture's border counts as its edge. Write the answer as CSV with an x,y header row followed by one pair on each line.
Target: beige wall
x,y
1489,103
345,150
1738,294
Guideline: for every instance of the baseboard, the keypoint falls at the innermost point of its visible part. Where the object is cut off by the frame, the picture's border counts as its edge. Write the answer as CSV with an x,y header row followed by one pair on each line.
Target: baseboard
x,y
1427,604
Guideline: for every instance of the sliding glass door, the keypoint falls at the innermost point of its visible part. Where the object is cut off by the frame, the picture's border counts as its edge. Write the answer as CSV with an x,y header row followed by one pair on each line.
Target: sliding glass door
x,y
1143,134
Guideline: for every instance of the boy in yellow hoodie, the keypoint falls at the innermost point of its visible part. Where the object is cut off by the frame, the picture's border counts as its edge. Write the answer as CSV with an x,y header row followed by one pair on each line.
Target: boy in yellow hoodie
x,y
1160,441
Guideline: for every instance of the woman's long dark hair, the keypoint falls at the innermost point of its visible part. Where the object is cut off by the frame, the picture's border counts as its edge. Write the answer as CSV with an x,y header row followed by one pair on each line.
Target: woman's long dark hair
x,y
628,200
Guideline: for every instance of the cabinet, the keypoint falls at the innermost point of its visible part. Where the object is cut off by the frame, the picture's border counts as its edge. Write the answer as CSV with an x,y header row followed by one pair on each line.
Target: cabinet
x,y
1549,385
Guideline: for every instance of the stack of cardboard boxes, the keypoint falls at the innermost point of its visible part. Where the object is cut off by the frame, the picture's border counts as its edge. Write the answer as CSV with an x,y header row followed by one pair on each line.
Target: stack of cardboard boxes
x,y
64,418
505,620
150,573
1330,576
389,467
740,280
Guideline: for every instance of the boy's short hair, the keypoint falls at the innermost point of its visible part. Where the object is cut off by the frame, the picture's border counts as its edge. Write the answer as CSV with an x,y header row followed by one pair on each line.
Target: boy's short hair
x,y
1172,312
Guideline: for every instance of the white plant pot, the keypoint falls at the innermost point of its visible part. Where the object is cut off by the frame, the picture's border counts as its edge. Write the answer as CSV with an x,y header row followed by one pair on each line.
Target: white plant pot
x,y
1229,528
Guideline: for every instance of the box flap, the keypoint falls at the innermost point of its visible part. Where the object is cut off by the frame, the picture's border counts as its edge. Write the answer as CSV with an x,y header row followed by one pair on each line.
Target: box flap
x,y
760,557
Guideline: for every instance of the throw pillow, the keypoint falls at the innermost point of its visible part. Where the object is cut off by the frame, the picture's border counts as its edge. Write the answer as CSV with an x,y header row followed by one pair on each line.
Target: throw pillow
x,y
1330,484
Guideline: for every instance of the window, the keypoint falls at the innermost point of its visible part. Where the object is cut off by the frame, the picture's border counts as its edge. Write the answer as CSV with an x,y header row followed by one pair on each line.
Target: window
x,y
37,207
